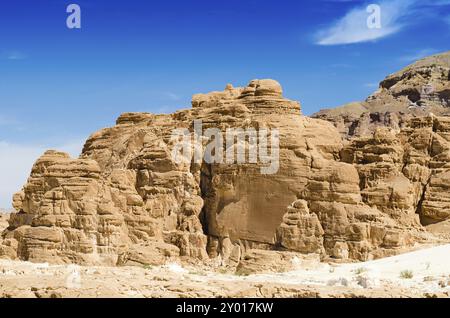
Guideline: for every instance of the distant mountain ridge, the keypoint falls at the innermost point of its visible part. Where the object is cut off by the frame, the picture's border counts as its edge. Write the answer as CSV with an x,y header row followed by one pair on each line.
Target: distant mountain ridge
x,y
418,90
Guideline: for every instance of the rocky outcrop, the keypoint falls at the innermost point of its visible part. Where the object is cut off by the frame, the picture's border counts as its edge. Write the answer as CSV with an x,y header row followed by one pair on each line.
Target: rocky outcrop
x,y
301,230
124,190
263,261
133,198
418,90
405,175
3,221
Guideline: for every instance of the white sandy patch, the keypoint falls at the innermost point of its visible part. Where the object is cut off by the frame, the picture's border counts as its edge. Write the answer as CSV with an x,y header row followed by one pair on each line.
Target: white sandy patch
x,y
427,266
176,268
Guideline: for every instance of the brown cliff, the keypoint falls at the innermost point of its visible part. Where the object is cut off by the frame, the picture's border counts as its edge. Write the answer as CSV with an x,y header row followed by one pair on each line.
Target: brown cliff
x,y
127,201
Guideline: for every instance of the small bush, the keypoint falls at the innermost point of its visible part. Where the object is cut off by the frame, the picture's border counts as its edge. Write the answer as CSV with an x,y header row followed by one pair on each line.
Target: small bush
x,y
242,272
363,281
406,274
360,270
197,273
428,279
223,270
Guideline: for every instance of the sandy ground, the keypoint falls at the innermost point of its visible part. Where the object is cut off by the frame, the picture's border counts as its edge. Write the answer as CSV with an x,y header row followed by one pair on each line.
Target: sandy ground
x,y
426,270
423,273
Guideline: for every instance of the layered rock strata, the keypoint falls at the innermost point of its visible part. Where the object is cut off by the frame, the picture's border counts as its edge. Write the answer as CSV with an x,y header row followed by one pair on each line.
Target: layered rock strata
x,y
128,200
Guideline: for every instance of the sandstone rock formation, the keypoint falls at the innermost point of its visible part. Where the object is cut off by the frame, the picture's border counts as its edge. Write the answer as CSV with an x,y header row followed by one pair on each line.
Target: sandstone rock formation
x,y
405,175
416,91
126,200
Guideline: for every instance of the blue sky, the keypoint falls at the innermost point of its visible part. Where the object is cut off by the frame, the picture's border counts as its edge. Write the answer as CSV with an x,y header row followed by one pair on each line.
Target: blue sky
x,y
58,85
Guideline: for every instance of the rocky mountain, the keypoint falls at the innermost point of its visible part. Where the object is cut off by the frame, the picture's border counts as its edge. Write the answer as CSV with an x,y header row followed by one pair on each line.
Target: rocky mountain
x,y
127,200
418,90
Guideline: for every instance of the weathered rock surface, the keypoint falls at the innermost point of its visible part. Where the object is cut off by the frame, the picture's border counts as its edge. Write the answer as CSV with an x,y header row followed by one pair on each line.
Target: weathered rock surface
x,y
126,200
261,261
3,221
301,230
416,91
406,175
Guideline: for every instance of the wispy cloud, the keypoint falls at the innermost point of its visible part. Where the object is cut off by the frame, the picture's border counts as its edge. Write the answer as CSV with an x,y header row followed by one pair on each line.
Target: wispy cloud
x,y
371,85
171,96
340,65
352,28
395,16
13,55
165,109
16,161
417,55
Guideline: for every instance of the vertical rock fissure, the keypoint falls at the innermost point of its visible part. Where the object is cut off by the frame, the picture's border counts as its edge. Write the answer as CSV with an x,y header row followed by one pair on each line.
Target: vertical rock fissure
x,y
205,185
422,198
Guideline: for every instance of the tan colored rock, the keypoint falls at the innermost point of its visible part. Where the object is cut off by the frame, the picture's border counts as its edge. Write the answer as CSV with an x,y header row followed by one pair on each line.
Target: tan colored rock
x,y
301,231
435,206
420,89
149,253
126,200
261,261
405,175
4,216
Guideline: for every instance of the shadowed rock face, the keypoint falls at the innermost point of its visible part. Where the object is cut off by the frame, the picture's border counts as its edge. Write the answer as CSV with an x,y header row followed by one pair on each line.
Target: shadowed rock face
x,y
416,91
126,201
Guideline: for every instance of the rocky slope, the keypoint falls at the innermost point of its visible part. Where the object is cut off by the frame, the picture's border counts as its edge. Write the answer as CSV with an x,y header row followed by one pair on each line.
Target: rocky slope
x,y
417,90
127,201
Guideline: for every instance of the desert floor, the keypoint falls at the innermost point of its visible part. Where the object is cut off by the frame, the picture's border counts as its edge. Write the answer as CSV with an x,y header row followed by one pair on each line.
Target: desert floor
x,y
422,273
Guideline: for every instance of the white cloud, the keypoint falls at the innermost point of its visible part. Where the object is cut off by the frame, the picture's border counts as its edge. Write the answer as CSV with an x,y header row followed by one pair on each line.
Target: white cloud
x,y
15,165
352,28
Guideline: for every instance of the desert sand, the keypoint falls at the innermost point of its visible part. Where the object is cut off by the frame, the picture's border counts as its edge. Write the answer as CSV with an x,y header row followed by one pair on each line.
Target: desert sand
x,y
422,273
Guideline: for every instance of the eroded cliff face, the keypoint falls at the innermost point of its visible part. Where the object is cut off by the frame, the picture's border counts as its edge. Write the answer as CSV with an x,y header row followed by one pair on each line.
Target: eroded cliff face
x,y
402,174
418,90
127,201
